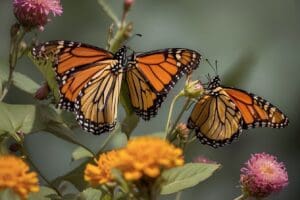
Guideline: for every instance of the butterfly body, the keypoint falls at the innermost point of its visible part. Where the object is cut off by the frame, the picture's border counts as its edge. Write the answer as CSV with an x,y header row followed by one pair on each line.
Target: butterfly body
x,y
221,114
90,79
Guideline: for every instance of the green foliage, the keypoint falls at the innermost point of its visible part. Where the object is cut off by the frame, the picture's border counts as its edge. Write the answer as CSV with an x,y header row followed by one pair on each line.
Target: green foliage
x,y
20,80
9,195
3,145
44,194
80,153
91,194
188,175
19,117
46,68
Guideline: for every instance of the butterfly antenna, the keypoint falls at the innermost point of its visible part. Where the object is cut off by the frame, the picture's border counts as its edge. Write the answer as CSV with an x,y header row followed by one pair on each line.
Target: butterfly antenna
x,y
214,68
134,36
216,64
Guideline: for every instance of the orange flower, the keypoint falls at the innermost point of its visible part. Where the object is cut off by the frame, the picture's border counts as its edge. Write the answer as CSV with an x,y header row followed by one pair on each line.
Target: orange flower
x,y
143,156
101,172
147,156
14,174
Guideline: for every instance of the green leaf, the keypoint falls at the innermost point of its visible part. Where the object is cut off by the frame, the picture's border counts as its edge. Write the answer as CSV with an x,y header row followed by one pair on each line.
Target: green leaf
x,y
43,194
75,177
34,118
20,80
17,117
46,68
9,195
80,153
24,83
188,175
4,145
91,194
129,124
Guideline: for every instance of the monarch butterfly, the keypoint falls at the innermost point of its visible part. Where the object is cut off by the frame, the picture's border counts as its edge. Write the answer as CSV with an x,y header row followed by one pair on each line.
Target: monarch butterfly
x,y
222,112
90,79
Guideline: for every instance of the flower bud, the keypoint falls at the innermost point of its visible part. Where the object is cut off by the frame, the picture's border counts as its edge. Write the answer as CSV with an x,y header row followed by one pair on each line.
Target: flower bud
x,y
193,89
42,92
182,131
128,4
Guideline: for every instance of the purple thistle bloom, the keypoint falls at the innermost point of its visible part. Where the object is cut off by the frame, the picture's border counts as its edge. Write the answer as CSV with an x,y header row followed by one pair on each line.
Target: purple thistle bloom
x,y
263,175
35,13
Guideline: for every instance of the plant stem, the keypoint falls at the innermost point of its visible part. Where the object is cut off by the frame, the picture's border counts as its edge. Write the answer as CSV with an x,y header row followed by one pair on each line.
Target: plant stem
x,y
241,197
13,57
187,102
170,112
106,141
109,12
178,196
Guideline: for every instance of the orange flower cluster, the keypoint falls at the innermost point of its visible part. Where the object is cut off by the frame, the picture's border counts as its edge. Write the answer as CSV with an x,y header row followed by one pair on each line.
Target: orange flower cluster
x,y
143,156
14,174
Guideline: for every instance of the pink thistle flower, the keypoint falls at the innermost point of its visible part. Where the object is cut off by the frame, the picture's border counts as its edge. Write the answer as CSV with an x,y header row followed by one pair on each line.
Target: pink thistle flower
x,y
263,175
35,13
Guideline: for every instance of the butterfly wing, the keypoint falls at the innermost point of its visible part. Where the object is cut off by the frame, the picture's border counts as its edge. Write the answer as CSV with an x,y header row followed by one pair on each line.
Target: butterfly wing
x,y
89,81
74,63
96,104
216,119
221,114
151,75
256,111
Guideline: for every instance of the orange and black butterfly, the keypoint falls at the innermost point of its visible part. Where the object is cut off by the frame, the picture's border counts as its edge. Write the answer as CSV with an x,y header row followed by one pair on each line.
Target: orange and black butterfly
x,y
90,79
222,112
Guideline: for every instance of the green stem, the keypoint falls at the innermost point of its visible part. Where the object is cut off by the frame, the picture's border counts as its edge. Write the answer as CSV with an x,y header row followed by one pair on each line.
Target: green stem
x,y
109,12
186,105
13,57
170,112
36,169
106,141
178,196
241,197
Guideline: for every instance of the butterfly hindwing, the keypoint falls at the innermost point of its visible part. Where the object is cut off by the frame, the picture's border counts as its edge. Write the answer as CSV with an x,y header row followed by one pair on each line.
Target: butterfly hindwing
x,y
151,75
97,103
216,119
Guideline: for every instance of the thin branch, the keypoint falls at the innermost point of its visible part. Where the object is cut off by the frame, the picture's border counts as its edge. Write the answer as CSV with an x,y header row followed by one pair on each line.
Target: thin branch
x,y
109,12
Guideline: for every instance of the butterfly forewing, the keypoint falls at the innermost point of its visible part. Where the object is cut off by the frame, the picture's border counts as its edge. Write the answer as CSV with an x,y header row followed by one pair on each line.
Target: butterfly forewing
x,y
74,63
256,111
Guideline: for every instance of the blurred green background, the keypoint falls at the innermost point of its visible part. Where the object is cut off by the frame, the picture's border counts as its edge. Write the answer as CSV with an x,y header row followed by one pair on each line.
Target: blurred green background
x,y
256,43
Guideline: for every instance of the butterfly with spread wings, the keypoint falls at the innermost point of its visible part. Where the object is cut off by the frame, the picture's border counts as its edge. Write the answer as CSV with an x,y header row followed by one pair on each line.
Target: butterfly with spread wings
x,y
222,112
90,78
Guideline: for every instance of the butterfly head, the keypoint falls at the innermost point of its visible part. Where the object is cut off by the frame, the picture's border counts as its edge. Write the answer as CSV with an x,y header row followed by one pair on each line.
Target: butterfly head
x,y
216,81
